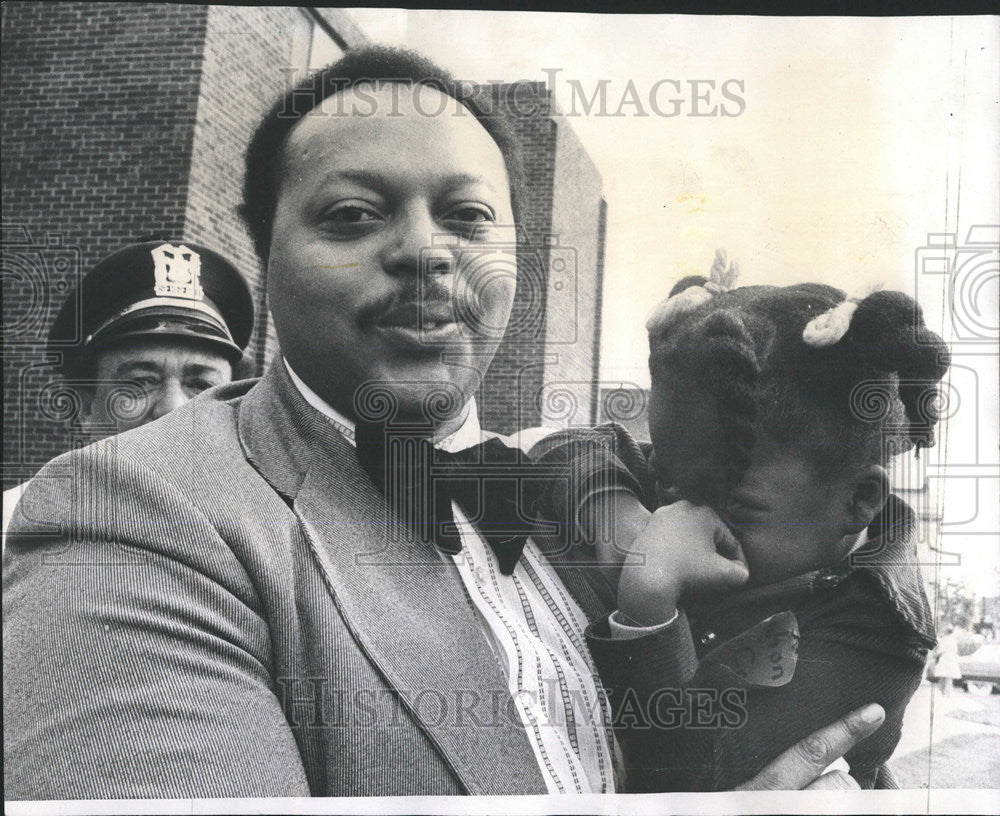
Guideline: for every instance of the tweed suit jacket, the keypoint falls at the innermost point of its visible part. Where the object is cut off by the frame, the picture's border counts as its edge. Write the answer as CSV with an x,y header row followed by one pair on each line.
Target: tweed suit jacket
x,y
210,606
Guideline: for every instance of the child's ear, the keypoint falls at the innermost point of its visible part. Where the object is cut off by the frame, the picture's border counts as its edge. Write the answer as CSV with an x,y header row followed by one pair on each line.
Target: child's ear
x,y
871,489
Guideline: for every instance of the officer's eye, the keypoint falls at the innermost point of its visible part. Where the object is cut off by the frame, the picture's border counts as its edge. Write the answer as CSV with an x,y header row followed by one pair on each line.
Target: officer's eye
x,y
199,384
146,380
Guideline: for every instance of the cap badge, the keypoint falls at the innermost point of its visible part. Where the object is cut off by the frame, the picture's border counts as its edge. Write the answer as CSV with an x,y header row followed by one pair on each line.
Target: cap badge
x,y
177,269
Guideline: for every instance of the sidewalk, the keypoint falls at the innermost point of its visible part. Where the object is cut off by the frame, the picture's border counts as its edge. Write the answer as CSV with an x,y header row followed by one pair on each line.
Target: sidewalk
x,y
949,741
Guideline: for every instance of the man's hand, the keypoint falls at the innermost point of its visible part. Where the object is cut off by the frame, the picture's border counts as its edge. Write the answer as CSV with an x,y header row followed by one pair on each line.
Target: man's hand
x,y
801,766
683,548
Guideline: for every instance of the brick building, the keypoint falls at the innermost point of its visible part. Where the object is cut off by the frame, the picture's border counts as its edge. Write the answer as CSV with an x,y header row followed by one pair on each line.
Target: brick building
x,y
122,120
546,370
627,404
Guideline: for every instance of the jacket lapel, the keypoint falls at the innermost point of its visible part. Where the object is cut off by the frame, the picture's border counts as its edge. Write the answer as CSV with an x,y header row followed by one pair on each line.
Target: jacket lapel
x,y
406,607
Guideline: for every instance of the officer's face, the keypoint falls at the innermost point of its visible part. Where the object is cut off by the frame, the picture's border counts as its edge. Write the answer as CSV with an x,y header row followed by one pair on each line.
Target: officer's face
x,y
388,261
168,374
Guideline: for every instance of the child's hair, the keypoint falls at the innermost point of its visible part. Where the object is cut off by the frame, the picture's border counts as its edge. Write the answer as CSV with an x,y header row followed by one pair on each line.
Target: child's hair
x,y
843,401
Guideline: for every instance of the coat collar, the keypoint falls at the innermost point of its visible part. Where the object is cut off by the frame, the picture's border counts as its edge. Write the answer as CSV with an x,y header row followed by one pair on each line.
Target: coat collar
x,y
888,560
405,606
890,557
280,433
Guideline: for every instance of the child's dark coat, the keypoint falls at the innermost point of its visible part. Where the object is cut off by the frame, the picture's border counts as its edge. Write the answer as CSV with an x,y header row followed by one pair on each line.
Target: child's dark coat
x,y
864,630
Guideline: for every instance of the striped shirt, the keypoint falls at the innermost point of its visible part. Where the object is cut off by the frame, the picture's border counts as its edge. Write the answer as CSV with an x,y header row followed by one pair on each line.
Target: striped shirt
x,y
536,631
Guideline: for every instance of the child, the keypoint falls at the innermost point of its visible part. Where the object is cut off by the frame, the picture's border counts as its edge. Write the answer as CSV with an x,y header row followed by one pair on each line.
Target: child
x,y
778,408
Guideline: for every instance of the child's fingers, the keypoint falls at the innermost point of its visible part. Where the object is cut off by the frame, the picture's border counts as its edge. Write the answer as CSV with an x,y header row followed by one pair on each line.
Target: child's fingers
x,y
728,546
726,543
734,573
725,572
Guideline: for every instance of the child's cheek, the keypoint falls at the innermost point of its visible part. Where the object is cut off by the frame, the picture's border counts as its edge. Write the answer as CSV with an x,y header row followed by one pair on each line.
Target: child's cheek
x,y
767,559
757,560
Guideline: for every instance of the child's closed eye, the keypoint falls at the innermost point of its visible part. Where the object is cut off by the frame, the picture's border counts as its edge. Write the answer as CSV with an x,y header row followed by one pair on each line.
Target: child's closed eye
x,y
735,506
743,501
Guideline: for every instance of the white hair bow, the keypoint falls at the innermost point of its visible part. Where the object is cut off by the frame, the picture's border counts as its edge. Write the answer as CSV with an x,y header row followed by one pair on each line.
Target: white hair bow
x,y
830,327
721,278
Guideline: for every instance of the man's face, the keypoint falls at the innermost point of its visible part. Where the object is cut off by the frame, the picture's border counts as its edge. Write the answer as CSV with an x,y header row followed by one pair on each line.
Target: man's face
x,y
388,260
169,374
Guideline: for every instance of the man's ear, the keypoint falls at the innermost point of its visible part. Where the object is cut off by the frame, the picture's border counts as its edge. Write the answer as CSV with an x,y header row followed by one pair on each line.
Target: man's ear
x,y
871,489
85,418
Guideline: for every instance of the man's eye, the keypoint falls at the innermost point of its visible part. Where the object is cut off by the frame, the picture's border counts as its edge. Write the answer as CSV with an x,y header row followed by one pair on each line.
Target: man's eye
x,y
146,381
471,214
352,217
470,221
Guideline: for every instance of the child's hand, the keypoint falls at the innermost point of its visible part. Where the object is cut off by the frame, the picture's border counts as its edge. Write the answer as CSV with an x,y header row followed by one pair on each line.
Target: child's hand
x,y
683,548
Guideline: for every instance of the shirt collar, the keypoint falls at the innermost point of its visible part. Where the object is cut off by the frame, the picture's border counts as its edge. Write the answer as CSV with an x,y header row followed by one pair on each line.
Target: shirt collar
x,y
468,434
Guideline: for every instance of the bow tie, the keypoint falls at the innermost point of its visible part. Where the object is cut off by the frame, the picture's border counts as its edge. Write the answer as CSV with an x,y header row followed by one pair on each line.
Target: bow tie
x,y
420,482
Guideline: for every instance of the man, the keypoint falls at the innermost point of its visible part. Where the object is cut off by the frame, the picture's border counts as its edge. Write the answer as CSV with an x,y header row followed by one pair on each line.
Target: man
x,y
263,627
149,327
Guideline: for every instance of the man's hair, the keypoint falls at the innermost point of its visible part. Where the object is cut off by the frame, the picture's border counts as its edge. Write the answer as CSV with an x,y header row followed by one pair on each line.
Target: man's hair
x,y
375,64
851,403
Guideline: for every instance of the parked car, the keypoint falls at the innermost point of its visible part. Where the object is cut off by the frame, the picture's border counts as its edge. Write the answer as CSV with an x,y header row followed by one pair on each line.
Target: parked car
x,y
981,670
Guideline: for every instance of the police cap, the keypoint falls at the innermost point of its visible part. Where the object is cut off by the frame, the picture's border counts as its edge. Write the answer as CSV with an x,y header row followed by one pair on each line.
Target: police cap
x,y
157,289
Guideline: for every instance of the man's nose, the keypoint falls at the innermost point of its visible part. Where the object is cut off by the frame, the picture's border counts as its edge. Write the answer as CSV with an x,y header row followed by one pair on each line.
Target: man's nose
x,y
418,245
170,396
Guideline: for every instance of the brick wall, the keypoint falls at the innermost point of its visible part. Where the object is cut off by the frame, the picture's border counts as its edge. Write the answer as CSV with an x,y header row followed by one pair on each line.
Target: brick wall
x,y
511,389
545,371
602,234
252,55
98,102
122,120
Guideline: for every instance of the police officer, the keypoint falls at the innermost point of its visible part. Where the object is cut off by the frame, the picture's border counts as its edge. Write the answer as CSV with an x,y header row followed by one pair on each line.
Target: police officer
x,y
151,326
159,322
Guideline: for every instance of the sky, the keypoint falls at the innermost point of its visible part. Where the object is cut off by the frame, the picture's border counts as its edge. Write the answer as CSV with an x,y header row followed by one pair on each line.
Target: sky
x,y
846,155
856,139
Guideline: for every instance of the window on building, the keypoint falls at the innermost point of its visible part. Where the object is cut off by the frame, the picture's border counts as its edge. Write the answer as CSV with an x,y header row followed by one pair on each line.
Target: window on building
x,y
313,46
323,49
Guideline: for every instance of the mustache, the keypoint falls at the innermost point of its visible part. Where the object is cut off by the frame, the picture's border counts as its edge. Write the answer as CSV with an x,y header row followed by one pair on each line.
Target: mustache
x,y
426,293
